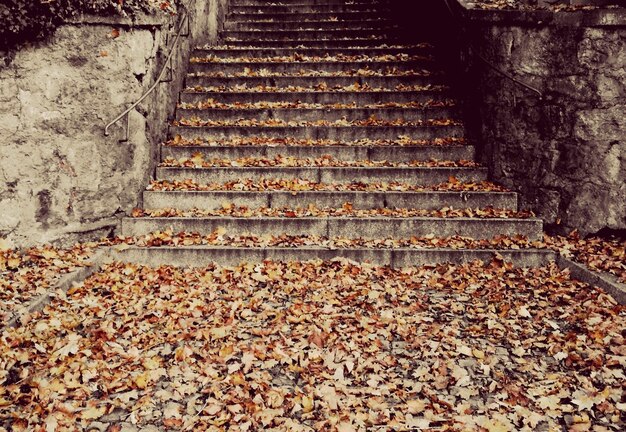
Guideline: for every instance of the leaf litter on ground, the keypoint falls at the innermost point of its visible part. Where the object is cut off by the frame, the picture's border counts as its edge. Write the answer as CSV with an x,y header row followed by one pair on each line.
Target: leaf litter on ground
x,y
27,274
320,346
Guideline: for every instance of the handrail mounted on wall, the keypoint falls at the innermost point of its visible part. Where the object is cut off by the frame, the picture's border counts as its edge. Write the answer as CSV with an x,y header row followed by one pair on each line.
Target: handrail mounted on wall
x,y
183,21
494,67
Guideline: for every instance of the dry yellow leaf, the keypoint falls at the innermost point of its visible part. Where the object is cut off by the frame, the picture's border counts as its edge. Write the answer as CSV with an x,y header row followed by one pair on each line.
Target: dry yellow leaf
x,y
92,413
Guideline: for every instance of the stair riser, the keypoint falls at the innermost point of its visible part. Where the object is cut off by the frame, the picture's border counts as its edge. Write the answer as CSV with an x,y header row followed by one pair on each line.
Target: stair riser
x,y
298,16
318,114
295,35
374,82
312,132
199,257
360,98
360,200
395,153
313,43
324,175
315,133
378,24
280,52
367,228
296,67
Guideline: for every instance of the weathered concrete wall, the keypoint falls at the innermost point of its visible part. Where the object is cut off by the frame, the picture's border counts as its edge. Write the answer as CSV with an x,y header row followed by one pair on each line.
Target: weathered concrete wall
x,y
566,153
61,179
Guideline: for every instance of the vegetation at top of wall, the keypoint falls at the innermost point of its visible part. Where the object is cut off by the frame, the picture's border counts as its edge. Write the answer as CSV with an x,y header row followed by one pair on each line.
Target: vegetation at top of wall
x,y
24,21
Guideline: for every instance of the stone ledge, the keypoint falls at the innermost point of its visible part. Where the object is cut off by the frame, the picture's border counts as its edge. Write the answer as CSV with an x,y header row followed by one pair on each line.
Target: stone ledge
x,y
601,17
64,284
607,282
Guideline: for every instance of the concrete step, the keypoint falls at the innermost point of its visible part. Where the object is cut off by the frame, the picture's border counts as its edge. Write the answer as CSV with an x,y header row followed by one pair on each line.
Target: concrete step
x,y
294,3
295,35
390,153
412,175
308,8
419,79
318,66
200,256
313,114
339,133
303,42
352,227
187,200
297,5
358,24
223,52
296,15
321,97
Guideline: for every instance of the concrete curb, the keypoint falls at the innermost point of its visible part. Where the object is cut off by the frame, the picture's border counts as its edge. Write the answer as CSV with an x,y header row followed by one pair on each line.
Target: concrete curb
x,y
64,283
605,281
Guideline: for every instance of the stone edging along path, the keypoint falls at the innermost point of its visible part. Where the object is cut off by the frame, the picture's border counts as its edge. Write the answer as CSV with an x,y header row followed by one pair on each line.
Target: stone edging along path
x,y
67,281
603,280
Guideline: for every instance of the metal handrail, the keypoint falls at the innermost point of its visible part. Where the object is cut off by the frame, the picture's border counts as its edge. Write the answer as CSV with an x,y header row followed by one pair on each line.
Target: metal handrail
x,y
511,77
185,17
494,67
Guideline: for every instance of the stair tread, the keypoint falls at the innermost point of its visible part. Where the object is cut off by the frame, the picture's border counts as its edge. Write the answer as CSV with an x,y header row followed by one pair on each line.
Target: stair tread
x,y
303,185
391,255
399,142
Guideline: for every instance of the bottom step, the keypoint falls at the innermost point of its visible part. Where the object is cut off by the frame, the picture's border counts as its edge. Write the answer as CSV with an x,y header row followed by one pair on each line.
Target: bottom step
x,y
199,256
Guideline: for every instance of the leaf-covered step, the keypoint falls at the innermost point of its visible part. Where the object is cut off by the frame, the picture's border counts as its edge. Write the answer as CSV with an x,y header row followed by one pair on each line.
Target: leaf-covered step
x,y
308,8
354,152
221,237
322,94
296,3
236,65
326,160
265,141
316,42
416,175
295,35
296,15
337,133
202,255
328,5
251,78
295,113
186,200
355,227
341,210
358,24
227,51
302,185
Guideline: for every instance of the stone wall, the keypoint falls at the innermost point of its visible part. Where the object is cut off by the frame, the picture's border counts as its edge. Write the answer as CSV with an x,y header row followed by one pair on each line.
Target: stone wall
x,y
565,152
61,179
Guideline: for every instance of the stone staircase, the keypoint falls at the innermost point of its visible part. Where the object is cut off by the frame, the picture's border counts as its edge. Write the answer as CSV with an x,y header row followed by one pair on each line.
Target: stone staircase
x,y
316,131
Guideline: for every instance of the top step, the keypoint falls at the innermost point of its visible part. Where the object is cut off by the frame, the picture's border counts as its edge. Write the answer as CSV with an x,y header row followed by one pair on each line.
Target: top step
x,y
305,2
298,15
262,10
